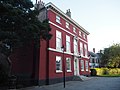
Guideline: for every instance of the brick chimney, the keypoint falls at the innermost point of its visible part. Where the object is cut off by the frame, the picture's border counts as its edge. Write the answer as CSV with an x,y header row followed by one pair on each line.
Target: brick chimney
x,y
39,4
68,13
94,50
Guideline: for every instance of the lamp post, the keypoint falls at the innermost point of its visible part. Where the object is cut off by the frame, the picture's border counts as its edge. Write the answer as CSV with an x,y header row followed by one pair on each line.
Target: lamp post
x,y
62,48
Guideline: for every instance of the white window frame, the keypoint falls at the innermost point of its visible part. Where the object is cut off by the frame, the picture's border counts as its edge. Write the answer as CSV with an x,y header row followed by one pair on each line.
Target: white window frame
x,y
68,60
84,35
81,48
68,47
86,65
75,46
80,33
58,40
74,30
85,50
58,20
60,59
67,25
82,65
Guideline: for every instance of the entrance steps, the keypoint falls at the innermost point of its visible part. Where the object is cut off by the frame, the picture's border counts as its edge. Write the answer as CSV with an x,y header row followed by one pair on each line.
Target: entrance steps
x,y
80,78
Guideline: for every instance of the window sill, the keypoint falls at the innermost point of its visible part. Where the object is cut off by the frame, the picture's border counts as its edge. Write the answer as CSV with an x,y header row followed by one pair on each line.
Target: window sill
x,y
82,70
69,71
59,71
59,23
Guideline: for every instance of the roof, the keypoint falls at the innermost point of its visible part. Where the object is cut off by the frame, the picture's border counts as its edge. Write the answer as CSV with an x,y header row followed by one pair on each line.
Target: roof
x,y
49,5
92,54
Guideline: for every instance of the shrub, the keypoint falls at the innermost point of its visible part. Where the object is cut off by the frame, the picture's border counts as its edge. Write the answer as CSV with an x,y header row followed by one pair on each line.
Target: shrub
x,y
114,71
106,71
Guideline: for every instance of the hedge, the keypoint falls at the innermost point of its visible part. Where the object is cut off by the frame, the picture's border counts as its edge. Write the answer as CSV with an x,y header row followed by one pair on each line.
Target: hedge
x,y
105,71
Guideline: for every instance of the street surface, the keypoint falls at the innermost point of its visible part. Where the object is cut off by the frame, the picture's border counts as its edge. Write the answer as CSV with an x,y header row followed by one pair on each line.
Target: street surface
x,y
94,83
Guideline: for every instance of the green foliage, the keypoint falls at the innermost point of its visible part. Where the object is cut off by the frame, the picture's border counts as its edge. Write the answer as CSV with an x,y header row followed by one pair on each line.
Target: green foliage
x,y
107,71
19,25
111,56
102,71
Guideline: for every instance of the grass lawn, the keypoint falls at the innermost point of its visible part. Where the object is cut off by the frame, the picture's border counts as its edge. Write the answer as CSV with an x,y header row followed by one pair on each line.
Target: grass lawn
x,y
109,75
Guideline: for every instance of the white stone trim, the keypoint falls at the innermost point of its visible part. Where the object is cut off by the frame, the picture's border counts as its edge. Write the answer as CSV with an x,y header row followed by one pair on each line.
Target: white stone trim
x,y
59,71
55,50
69,70
67,31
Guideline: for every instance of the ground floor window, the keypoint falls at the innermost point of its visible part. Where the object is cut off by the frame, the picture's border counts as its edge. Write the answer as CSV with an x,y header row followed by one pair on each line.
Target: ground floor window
x,y
86,65
58,64
68,64
82,65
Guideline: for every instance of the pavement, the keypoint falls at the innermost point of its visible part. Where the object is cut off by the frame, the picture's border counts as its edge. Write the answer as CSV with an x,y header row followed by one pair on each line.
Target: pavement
x,y
58,86
89,83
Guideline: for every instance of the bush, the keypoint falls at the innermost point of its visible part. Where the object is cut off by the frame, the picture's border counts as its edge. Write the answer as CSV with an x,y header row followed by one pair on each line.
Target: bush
x,y
105,71
114,71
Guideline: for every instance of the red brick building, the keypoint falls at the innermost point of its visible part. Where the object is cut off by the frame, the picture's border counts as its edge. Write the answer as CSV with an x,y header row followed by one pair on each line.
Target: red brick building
x,y
65,54
67,51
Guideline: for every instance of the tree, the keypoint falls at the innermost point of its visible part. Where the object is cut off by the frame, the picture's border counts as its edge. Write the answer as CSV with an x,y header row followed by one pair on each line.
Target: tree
x,y
19,25
111,56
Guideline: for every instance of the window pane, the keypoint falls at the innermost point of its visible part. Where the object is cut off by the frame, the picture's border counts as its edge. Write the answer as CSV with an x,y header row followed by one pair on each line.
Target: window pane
x,y
81,48
68,64
58,63
82,65
86,65
74,29
75,46
80,33
67,44
57,19
58,40
85,49
67,25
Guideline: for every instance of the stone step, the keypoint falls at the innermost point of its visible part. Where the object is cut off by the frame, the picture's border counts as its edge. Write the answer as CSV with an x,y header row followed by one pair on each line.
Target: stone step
x,y
80,78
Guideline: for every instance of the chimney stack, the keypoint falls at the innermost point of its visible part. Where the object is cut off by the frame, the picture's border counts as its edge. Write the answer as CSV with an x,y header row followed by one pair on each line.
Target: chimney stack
x,y
94,50
39,4
68,13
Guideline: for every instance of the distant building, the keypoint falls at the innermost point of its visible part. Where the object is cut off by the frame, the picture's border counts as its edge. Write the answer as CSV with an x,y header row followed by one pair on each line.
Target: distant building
x,y
94,59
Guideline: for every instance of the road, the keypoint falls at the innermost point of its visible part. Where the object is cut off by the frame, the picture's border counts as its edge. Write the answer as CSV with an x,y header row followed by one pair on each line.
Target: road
x,y
95,83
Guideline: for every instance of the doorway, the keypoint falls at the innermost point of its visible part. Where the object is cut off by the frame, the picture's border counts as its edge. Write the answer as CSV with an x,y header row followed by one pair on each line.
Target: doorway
x,y
76,67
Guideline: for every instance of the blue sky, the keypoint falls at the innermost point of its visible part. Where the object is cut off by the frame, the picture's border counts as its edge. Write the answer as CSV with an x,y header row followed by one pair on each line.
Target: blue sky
x,y
100,17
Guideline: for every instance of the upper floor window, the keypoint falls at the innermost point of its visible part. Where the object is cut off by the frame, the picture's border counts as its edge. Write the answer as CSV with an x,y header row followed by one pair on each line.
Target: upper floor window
x,y
67,25
75,46
84,36
68,43
80,33
81,48
58,19
58,40
58,64
68,64
85,49
74,29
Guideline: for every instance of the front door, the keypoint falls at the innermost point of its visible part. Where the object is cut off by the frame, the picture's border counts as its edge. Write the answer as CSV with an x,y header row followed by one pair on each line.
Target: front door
x,y
76,67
